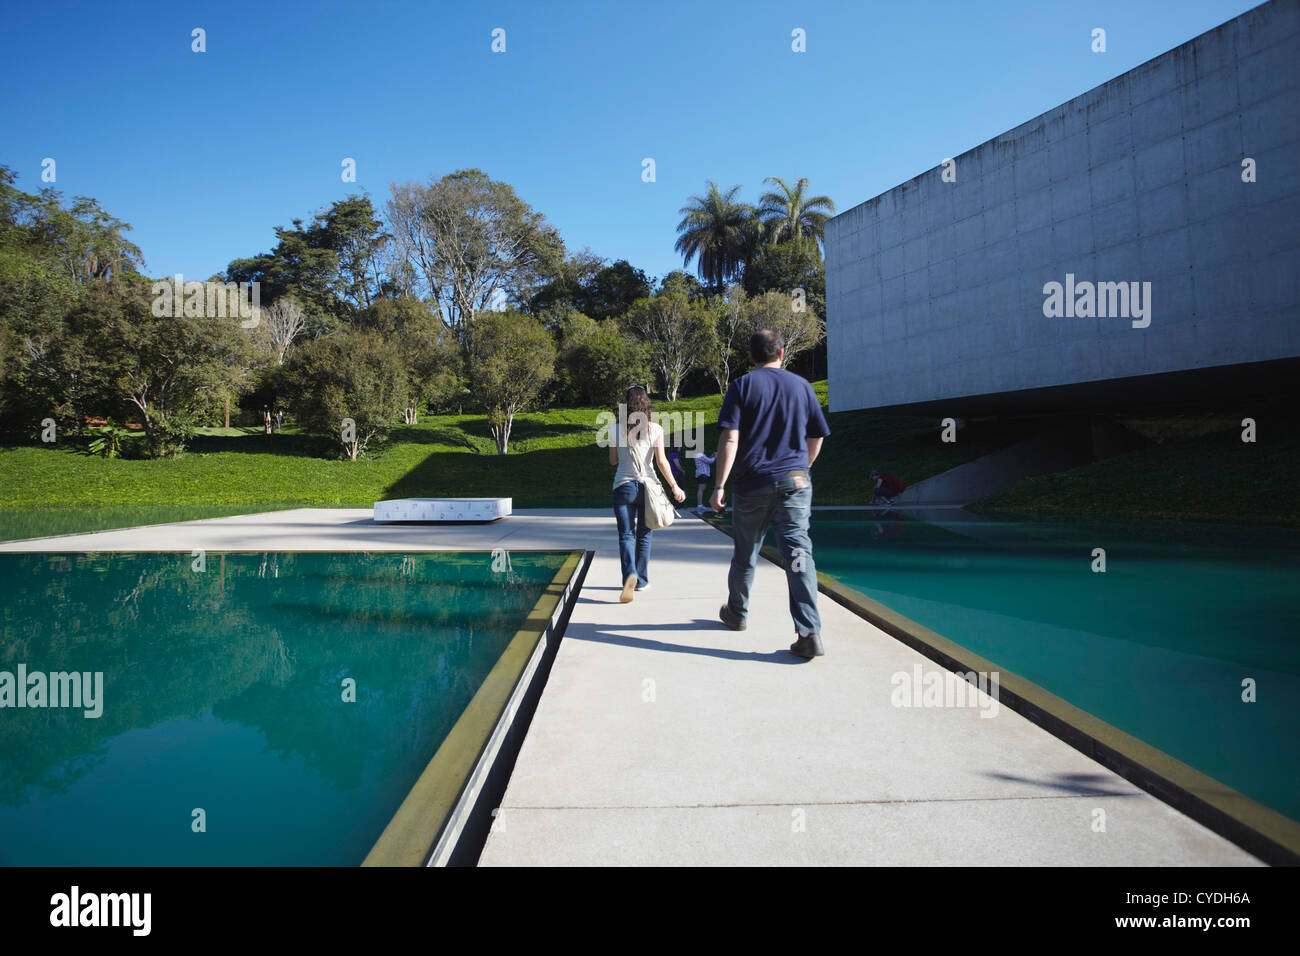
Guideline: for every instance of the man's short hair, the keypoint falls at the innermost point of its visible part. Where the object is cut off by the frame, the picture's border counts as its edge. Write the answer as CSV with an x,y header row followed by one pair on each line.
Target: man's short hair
x,y
765,346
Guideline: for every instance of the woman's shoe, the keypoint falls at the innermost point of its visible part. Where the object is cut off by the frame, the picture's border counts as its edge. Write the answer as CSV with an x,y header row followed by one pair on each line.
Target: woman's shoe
x,y
629,586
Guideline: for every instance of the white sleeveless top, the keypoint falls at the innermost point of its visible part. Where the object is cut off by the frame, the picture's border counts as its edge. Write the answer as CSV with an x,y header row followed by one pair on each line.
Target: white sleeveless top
x,y
643,450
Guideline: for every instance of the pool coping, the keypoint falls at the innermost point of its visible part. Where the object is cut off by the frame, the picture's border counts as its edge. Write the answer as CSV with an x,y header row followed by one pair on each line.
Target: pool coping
x,y
1267,834
444,818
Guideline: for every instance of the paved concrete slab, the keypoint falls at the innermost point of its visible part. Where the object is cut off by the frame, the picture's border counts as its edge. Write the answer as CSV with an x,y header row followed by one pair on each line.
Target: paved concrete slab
x,y
1050,831
662,738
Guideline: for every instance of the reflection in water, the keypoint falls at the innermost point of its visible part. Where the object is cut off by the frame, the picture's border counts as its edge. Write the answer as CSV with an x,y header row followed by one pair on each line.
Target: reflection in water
x,y
224,687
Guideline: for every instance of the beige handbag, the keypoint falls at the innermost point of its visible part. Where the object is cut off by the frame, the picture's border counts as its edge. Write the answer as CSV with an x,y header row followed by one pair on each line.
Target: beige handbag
x,y
659,512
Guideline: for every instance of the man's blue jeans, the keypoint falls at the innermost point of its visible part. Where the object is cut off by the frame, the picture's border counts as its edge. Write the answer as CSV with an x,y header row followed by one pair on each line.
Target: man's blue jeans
x,y
788,509
633,535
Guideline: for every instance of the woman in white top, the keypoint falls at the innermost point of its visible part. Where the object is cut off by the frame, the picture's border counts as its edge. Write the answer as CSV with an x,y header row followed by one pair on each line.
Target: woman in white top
x,y
632,452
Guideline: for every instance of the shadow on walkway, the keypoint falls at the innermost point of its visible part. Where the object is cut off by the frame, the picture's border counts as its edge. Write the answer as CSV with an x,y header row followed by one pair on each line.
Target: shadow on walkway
x,y
623,640
1081,784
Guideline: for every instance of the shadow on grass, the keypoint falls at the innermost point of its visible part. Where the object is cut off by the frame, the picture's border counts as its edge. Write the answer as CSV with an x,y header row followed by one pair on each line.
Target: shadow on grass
x,y
449,435
292,446
575,477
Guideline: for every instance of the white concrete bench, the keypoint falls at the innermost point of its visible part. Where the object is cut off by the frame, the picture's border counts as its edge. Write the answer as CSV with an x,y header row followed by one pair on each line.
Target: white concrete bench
x,y
442,509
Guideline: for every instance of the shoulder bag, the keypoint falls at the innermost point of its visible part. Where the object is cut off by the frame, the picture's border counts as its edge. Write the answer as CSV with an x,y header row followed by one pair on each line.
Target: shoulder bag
x,y
659,512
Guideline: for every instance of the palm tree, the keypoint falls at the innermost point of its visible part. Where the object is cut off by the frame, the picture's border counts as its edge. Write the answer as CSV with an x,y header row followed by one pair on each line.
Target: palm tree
x,y
789,213
719,230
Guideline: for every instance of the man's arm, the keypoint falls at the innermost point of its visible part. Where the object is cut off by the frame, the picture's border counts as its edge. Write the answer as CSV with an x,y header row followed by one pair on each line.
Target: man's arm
x,y
814,449
817,429
728,442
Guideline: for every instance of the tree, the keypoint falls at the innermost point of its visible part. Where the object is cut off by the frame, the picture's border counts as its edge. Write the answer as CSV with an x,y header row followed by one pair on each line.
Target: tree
x,y
685,283
333,266
572,329
83,241
791,215
352,231
60,365
430,353
513,357
297,267
284,321
731,324
717,230
434,370
787,266
352,386
471,244
166,368
799,327
34,298
599,361
563,289
679,332
397,317
612,290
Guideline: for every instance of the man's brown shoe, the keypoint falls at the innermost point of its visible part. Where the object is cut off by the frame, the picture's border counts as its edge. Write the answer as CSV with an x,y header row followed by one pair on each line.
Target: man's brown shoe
x,y
807,646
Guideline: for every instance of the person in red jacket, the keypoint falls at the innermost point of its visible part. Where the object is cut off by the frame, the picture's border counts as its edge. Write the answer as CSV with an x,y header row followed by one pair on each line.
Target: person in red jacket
x,y
885,487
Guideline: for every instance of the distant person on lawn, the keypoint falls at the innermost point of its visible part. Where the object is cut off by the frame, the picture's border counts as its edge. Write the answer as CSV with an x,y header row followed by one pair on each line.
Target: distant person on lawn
x,y
702,475
675,462
770,431
885,487
642,441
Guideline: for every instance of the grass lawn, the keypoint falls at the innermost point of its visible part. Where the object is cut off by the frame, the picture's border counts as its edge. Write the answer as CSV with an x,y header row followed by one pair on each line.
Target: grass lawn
x,y
553,462
1199,469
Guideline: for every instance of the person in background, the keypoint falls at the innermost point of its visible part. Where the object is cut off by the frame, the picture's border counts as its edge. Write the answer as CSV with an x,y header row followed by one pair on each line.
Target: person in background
x,y
675,463
771,428
885,488
702,475
640,443
266,421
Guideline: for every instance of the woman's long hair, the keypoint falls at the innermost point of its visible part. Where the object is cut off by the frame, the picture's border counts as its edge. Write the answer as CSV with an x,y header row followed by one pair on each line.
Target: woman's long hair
x,y
637,401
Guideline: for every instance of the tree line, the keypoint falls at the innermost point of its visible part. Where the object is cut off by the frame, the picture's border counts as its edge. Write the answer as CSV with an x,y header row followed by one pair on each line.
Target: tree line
x,y
456,295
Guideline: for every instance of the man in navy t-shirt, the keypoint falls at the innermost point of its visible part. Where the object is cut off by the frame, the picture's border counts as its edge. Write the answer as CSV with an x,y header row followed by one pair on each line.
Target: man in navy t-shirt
x,y
770,431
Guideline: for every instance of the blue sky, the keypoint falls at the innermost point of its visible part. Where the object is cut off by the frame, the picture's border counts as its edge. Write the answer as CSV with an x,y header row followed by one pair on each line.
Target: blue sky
x,y
205,153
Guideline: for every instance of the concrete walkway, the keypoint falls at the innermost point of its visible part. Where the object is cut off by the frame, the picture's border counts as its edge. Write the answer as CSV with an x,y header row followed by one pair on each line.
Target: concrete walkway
x,y
664,739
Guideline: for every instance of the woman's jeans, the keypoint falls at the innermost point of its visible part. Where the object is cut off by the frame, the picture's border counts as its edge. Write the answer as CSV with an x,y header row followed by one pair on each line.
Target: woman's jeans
x,y
788,509
633,535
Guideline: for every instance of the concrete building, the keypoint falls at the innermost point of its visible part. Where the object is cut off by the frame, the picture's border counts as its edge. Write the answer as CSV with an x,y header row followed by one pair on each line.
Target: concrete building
x,y
1179,179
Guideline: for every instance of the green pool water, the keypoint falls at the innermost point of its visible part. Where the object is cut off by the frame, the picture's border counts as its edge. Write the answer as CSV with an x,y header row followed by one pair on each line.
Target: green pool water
x,y
1158,645
223,690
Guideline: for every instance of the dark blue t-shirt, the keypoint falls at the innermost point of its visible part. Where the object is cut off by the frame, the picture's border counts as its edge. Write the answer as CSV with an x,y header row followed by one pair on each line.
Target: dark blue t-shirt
x,y
775,411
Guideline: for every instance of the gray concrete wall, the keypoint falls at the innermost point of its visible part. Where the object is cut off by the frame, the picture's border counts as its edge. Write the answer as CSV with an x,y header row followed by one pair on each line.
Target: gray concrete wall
x,y
935,289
